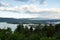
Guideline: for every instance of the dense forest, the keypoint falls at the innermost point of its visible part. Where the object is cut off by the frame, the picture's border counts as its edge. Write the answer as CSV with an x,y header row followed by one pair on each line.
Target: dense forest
x,y
47,32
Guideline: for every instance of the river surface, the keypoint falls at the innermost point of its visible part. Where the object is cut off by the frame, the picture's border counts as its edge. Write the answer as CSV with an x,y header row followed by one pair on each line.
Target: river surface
x,y
5,25
14,26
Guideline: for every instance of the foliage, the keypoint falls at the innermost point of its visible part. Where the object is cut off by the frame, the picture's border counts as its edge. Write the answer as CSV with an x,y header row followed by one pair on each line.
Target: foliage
x,y
39,33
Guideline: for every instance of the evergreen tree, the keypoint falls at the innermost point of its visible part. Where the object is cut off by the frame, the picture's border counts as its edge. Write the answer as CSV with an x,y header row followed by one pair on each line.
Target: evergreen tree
x,y
19,28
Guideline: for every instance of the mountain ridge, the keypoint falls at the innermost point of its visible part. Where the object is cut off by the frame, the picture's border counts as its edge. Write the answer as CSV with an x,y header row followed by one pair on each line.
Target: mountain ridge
x,y
27,20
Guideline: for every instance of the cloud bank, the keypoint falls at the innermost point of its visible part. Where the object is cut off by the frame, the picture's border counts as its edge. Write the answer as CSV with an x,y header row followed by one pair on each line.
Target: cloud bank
x,y
40,1
29,8
30,11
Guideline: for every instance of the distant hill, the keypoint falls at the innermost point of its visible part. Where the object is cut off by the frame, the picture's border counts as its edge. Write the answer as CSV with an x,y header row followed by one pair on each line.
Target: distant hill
x,y
28,20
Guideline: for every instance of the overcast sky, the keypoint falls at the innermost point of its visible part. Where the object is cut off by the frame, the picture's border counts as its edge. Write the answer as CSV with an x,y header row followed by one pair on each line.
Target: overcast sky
x,y
30,9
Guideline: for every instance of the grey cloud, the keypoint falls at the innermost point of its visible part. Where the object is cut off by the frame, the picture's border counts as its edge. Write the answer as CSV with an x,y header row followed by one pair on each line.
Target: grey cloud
x,y
4,4
1,4
10,11
42,1
22,0
30,12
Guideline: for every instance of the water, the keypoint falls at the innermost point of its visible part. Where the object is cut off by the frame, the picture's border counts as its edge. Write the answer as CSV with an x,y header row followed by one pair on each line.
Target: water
x,y
5,25
14,26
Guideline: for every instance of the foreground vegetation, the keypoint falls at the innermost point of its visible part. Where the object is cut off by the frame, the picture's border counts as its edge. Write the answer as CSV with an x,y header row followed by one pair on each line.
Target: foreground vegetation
x,y
47,32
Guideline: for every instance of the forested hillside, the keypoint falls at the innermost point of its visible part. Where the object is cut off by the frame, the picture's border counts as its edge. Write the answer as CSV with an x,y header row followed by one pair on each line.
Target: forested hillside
x,y
47,32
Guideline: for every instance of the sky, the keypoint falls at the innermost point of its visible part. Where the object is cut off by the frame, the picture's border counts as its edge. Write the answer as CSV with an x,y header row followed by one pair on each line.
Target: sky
x,y
30,9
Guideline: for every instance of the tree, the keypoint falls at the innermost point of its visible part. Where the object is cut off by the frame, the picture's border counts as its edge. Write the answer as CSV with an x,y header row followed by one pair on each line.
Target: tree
x,y
34,36
31,29
19,28
57,27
